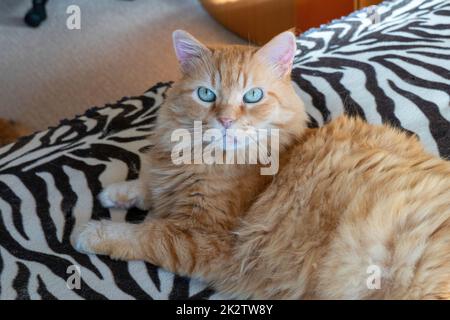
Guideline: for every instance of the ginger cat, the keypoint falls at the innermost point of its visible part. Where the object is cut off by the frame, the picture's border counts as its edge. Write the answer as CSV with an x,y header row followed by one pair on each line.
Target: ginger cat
x,y
350,200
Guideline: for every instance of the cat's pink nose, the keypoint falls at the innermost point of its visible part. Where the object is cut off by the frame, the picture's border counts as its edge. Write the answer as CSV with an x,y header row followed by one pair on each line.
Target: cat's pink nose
x,y
226,122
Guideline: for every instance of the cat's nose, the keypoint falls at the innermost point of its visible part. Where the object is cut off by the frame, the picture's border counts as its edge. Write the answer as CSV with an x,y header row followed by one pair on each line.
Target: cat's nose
x,y
226,122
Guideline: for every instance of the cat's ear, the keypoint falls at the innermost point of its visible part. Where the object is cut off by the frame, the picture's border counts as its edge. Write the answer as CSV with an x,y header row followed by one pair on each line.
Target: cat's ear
x,y
188,49
279,53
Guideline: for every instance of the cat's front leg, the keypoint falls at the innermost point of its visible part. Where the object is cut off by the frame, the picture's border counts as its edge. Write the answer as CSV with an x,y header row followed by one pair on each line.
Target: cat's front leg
x,y
119,240
174,245
125,195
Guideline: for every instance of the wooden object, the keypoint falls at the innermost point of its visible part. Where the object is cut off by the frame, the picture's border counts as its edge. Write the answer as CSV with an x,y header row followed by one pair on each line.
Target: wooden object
x,y
260,20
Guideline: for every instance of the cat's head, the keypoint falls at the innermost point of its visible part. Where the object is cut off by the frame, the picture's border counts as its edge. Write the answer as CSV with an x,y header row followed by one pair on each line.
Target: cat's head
x,y
235,87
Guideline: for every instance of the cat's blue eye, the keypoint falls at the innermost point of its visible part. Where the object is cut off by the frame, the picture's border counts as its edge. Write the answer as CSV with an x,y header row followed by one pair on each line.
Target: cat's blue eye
x,y
206,94
253,95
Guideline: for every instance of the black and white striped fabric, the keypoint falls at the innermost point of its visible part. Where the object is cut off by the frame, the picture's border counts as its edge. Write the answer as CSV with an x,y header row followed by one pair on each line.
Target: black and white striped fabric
x,y
387,65
48,184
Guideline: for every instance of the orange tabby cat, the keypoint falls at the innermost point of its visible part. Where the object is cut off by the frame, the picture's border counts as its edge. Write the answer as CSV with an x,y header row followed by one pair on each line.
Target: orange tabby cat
x,y
356,211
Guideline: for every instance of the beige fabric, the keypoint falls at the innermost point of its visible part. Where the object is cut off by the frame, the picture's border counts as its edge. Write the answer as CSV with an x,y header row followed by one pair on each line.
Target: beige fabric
x,y
123,48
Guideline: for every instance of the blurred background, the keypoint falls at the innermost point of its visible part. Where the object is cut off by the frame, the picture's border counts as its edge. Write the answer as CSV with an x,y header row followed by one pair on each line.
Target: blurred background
x,y
50,73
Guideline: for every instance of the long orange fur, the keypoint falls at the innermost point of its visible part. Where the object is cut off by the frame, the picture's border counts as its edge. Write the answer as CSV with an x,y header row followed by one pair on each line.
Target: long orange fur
x,y
348,196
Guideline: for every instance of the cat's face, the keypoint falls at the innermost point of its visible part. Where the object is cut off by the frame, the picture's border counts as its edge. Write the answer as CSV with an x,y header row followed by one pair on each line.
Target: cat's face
x,y
235,89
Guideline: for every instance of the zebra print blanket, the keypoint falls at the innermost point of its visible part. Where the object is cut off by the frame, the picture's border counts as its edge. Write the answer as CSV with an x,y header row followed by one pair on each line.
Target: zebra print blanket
x,y
387,65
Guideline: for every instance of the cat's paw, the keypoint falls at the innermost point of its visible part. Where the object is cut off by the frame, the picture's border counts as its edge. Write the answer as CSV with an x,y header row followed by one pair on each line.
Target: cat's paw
x,y
85,237
124,195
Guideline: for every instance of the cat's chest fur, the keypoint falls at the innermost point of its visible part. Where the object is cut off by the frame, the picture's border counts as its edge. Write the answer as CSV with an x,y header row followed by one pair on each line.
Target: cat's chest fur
x,y
207,194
